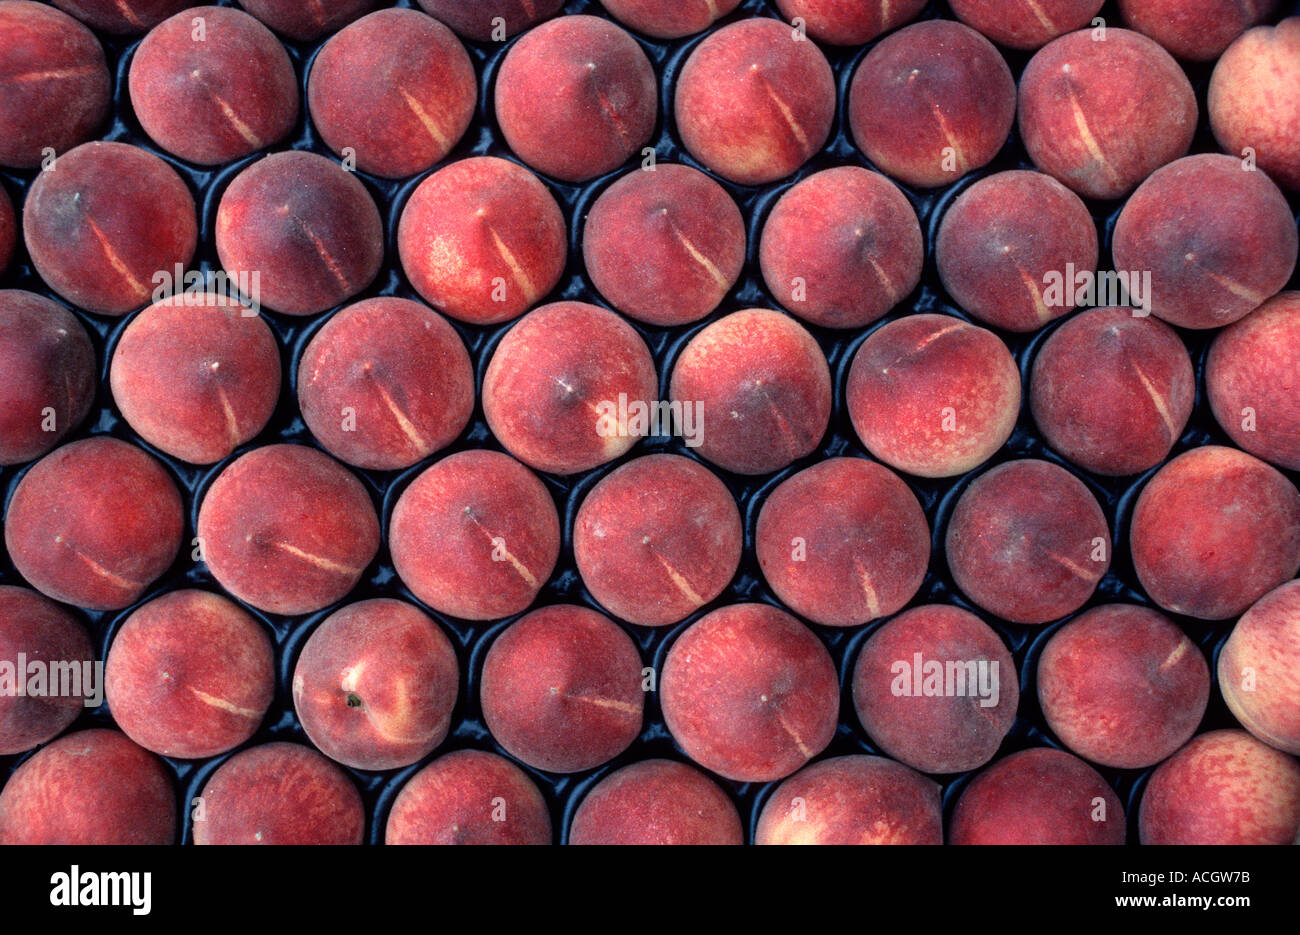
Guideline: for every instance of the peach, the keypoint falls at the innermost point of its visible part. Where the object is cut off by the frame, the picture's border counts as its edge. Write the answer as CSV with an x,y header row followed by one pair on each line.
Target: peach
x,y
375,684
657,539
755,101
1251,104
1198,30
1038,796
212,85
36,630
287,529
1253,375
482,240
50,377
843,542
1122,686
475,536
853,800
664,246
469,797
385,383
762,387
1214,531
196,376
849,22
1103,114
494,20
1218,241
553,390
1225,787
90,787
189,675
669,19
121,17
841,248
1259,668
305,227
1028,541
1020,25
278,793
396,88
55,88
1004,239
937,689
656,802
105,222
94,523
561,689
1111,391
8,229
576,97
750,693
932,395
932,102
307,21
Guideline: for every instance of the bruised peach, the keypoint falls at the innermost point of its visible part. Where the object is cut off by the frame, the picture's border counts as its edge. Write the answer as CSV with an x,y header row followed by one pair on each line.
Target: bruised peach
x,y
1025,25
121,17
494,20
656,802
668,19
854,22
306,21
1259,668
1198,30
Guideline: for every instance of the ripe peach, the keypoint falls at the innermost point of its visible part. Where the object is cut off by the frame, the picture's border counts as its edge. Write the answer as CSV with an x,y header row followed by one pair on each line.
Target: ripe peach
x,y
491,19
475,536
1020,25
762,386
1259,668
1214,531
854,22
750,693
189,675
664,246
121,17
932,395
841,248
561,689
1028,542
656,802
669,19
657,539
287,529
755,101
1198,30
94,523
307,21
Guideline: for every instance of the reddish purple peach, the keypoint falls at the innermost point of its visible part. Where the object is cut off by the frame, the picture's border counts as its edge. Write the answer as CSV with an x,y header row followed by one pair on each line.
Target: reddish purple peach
x,y
669,19
1198,30
849,22
1259,668
494,20
121,17
307,21
1025,24
656,802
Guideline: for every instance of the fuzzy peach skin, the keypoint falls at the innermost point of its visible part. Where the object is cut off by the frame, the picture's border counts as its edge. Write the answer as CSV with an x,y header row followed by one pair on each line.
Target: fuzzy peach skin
x,y
105,222
396,88
843,542
1253,377
375,685
656,802
668,19
478,20
307,21
657,539
849,22
54,83
664,246
1123,686
189,675
762,386
217,95
750,693
1259,668
754,101
936,732
853,800
1214,531
1225,787
1038,796
196,376
1028,541
94,523
1217,240
385,383
278,793
1112,392
482,240
1025,24
8,229
40,631
469,797
1101,116
841,248
931,103
287,529
122,17
1197,30
89,787
49,367
576,97
561,689
1000,240
552,390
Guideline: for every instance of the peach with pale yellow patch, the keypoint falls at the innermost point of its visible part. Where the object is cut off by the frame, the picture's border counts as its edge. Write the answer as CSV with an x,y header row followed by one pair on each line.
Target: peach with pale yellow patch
x,y
122,17
656,802
1259,668
1025,24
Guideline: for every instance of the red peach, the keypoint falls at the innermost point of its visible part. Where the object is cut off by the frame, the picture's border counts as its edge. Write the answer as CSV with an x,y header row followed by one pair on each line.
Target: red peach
x,y
1259,668
496,20
656,802
1198,30
1025,25
121,17
849,22
307,21
669,19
